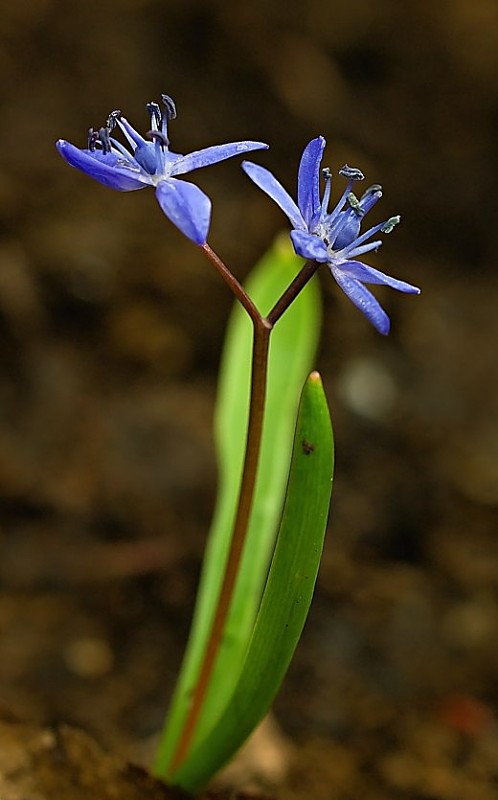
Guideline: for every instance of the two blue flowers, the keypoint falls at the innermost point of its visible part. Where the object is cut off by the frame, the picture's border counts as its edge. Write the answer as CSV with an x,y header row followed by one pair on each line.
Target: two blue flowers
x,y
330,237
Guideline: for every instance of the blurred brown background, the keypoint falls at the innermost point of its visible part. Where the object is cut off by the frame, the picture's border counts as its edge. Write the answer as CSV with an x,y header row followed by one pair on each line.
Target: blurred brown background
x,y
111,328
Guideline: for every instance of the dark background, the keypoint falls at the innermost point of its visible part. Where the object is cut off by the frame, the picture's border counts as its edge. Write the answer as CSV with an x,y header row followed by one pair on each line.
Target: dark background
x,y
111,328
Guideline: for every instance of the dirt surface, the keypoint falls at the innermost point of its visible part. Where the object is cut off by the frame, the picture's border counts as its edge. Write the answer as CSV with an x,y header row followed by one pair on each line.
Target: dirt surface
x,y
65,763
111,328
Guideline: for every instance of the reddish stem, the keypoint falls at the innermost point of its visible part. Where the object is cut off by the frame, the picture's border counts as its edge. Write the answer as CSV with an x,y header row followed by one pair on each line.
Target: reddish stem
x,y
261,341
262,328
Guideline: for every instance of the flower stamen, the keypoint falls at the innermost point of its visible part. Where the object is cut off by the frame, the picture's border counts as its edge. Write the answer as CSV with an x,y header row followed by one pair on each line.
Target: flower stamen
x,y
351,173
112,120
93,137
169,105
104,139
391,223
355,204
327,176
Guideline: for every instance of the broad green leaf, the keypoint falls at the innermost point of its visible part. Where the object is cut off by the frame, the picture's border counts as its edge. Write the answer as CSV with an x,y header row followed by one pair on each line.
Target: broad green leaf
x,y
292,349
287,595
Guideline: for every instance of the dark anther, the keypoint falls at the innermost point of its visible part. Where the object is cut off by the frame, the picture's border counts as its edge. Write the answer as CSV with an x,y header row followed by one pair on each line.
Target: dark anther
x,y
327,174
93,138
112,120
158,135
154,112
103,138
351,173
169,105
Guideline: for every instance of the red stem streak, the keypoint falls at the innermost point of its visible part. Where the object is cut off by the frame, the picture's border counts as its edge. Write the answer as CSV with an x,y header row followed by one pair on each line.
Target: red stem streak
x,y
262,327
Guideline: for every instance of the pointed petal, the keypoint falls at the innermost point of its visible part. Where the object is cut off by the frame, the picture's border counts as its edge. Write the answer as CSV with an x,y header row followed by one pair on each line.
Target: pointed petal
x,y
309,246
365,274
363,299
308,181
211,155
107,168
187,207
274,189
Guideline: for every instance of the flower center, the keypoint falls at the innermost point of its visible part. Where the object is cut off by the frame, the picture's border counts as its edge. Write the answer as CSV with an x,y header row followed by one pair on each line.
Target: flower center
x,y
338,227
151,156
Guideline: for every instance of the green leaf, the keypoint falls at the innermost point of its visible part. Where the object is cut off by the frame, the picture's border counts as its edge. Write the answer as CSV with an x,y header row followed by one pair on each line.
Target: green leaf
x,y
292,351
287,595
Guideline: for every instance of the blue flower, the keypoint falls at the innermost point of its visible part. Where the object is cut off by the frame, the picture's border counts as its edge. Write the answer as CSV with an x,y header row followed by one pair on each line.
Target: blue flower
x,y
150,162
334,238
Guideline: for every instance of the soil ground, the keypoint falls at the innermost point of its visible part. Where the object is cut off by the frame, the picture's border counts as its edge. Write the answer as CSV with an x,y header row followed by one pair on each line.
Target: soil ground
x,y
111,329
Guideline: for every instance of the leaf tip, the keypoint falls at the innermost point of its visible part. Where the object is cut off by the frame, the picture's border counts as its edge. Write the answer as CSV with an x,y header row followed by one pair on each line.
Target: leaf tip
x,y
315,378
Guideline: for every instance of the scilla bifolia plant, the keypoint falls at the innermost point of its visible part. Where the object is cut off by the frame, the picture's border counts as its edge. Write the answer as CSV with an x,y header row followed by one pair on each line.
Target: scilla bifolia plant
x,y
267,534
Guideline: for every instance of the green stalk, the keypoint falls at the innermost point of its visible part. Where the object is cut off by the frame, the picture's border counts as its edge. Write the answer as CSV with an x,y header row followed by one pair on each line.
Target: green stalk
x,y
261,344
187,713
287,596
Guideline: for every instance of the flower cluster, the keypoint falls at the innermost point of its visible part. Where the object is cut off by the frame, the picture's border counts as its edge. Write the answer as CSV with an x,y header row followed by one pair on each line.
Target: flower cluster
x,y
150,162
330,237
334,237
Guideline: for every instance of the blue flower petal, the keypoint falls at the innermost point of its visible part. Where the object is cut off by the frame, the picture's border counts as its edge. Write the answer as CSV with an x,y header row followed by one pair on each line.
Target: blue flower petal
x,y
349,228
365,274
211,155
308,181
107,168
309,246
363,299
187,207
274,189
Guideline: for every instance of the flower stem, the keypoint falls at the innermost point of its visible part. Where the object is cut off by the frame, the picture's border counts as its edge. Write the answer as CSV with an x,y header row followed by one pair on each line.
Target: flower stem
x,y
233,284
262,328
261,342
287,298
